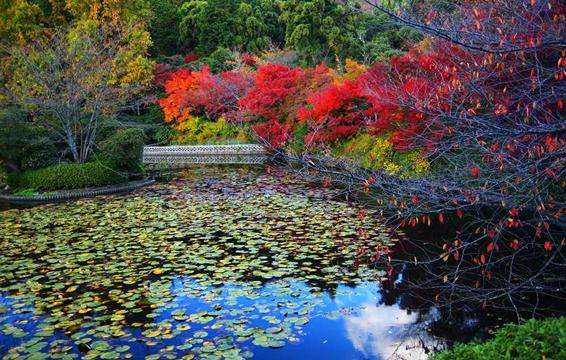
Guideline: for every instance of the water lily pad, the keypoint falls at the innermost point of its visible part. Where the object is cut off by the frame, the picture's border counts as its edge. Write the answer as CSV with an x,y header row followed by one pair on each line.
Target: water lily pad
x,y
333,315
200,334
250,263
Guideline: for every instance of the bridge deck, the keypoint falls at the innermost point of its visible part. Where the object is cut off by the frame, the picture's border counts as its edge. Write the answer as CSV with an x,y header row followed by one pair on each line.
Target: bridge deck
x,y
179,156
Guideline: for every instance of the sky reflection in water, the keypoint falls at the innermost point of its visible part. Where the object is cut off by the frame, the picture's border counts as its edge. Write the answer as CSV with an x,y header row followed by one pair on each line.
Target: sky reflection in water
x,y
144,276
350,323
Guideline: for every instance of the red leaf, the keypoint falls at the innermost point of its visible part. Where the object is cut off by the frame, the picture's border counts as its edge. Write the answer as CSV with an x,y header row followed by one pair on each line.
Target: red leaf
x,y
547,245
514,244
189,58
514,212
475,171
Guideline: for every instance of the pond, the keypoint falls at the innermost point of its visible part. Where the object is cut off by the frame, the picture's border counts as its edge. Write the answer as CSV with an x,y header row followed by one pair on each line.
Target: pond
x,y
230,265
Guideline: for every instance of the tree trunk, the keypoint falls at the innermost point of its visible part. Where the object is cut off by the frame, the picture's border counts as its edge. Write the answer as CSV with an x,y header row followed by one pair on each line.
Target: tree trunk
x,y
70,139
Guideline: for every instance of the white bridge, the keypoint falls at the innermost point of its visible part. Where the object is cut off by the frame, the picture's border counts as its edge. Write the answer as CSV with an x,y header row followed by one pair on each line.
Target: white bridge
x,y
180,156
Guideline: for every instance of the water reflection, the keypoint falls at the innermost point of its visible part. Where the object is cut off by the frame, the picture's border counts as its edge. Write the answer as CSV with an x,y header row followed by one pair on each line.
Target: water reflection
x,y
389,332
350,322
272,276
347,322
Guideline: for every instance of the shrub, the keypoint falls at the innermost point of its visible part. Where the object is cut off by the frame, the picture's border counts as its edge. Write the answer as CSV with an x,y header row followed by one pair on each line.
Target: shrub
x,y
149,118
123,150
276,96
335,112
197,130
66,176
534,339
377,153
163,134
196,93
273,85
24,145
40,156
220,60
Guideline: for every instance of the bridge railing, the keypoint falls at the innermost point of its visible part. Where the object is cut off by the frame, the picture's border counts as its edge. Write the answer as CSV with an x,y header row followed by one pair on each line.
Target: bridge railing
x,y
179,156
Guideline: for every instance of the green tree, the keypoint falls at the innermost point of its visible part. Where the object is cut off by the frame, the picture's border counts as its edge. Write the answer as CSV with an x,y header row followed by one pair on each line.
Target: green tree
x,y
382,38
70,83
65,67
250,28
18,20
270,12
322,30
164,26
25,20
207,25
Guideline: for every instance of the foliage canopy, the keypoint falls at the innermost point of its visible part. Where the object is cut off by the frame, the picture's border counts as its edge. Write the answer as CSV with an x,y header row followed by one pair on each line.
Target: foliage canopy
x,y
207,25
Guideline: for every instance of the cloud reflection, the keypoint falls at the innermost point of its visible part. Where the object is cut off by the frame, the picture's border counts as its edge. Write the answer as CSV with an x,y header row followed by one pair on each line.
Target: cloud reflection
x,y
389,332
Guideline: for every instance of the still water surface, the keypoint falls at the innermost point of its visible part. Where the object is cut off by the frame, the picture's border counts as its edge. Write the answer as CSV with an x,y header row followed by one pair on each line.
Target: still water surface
x,y
227,266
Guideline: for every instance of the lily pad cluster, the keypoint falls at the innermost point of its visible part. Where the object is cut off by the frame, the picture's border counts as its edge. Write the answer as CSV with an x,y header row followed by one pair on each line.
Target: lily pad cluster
x,y
201,267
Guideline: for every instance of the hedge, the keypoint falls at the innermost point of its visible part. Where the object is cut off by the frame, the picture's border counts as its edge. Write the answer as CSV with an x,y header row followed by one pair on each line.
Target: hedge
x,y
534,339
66,176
